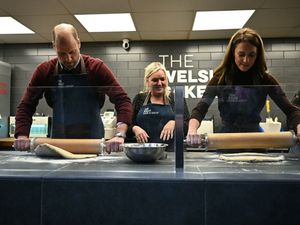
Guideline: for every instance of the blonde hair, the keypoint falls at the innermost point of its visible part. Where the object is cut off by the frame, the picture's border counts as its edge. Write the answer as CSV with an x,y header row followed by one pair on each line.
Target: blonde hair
x,y
153,68
243,35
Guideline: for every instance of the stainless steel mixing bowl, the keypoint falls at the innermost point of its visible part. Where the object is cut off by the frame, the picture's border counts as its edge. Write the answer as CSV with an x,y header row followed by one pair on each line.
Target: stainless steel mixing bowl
x,y
145,152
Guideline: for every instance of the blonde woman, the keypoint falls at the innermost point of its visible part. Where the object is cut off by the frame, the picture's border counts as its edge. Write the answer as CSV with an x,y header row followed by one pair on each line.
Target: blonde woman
x,y
242,85
153,108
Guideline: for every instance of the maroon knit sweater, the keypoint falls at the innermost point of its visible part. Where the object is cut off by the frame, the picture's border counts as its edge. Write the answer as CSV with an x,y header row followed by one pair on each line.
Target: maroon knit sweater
x,y
99,75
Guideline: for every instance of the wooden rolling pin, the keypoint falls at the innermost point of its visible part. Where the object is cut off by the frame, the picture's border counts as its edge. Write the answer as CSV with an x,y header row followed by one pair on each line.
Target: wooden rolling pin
x,y
77,146
251,140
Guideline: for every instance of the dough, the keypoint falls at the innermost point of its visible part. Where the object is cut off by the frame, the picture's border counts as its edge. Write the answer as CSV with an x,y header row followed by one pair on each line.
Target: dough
x,y
251,157
47,150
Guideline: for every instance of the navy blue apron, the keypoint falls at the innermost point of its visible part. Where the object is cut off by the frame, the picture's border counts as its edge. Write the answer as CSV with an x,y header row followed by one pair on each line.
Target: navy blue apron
x,y
152,118
240,108
76,109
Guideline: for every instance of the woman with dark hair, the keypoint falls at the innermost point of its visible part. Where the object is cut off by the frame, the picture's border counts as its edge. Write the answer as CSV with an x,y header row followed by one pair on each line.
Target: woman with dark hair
x,y
241,83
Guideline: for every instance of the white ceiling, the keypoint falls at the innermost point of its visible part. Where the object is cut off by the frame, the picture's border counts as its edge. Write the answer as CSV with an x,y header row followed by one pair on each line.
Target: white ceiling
x,y
153,19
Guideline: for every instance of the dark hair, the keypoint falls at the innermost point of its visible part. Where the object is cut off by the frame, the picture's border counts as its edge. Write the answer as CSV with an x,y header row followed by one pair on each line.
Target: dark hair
x,y
243,35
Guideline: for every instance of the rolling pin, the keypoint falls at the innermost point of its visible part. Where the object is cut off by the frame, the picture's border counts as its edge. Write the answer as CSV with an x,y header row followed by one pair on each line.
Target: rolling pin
x,y
77,146
251,140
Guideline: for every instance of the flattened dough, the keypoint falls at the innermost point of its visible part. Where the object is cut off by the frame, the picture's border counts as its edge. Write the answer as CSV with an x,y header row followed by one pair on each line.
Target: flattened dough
x,y
47,150
251,157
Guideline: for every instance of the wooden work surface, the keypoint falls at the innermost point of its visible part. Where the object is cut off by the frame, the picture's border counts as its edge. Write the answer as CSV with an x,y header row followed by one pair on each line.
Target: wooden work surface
x,y
6,142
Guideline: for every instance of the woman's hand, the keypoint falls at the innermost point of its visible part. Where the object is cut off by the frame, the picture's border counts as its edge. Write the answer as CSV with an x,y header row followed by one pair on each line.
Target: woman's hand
x,y
167,132
140,134
193,138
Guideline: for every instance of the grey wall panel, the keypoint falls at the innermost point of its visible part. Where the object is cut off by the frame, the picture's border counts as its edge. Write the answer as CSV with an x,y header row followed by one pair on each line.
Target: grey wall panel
x,y
283,60
5,90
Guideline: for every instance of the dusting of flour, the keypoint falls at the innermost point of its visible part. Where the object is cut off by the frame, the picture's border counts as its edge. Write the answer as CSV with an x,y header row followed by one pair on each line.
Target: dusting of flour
x,y
32,158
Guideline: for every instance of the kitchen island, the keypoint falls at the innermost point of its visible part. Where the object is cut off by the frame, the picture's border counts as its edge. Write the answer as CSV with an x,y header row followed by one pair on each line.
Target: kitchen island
x,y
112,189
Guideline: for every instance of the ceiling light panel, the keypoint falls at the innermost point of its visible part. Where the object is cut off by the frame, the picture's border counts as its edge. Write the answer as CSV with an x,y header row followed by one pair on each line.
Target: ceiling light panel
x,y
116,22
9,25
221,20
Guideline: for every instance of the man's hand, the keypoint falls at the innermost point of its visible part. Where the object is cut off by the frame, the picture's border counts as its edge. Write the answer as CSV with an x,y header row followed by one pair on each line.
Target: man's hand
x,y
22,143
113,145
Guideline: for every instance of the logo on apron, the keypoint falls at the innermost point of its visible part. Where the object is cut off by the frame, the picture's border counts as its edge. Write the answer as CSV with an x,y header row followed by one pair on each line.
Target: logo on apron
x,y
148,111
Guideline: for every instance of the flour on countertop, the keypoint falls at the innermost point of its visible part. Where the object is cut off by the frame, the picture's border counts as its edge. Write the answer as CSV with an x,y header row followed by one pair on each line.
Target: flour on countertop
x,y
31,158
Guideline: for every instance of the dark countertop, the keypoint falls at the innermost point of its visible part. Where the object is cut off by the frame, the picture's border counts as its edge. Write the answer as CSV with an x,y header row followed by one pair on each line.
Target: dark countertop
x,y
197,165
113,190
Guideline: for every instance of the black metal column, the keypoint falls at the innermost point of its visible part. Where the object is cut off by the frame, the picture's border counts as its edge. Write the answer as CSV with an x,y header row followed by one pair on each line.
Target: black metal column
x,y
179,111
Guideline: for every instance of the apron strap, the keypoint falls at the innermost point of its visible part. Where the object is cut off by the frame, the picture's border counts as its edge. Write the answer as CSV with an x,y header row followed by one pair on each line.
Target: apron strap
x,y
147,98
166,100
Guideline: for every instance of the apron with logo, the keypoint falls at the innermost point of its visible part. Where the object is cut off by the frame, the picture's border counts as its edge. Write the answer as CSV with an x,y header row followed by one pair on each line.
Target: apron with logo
x,y
152,118
240,108
76,109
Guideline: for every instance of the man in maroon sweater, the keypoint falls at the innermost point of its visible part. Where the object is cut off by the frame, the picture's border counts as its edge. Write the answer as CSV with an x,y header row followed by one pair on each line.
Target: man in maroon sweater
x,y
75,86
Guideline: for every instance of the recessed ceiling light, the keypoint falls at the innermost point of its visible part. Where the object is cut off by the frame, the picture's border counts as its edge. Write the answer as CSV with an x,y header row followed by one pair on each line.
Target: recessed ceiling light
x,y
9,25
220,20
115,22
